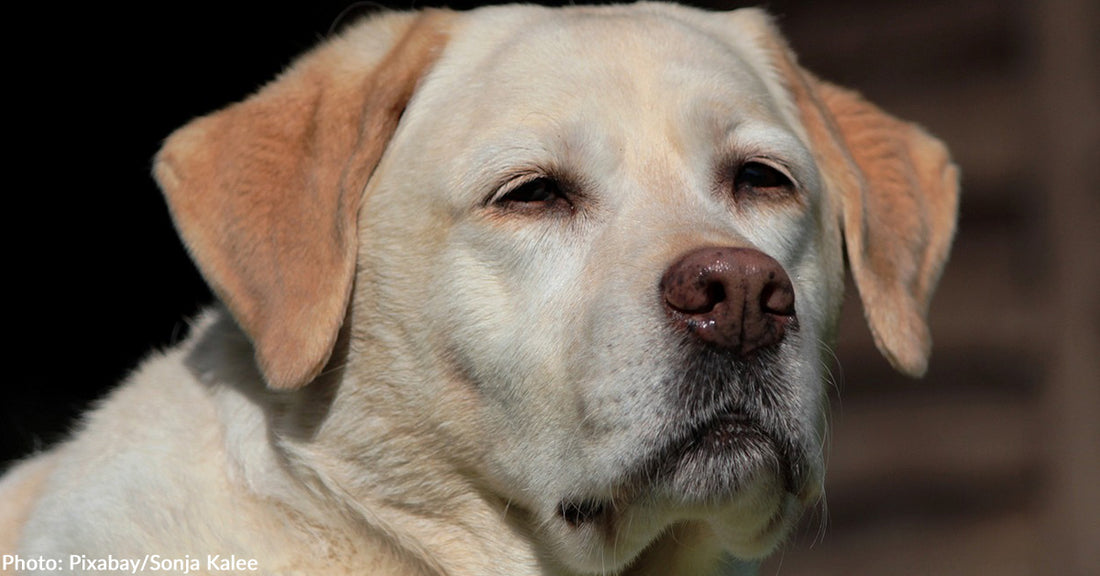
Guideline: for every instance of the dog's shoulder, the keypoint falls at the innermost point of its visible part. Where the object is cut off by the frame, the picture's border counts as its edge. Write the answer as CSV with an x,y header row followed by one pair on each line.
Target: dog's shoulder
x,y
149,442
20,488
179,463
153,444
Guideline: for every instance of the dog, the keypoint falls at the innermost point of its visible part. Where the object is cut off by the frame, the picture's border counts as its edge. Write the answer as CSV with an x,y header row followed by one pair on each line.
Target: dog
x,y
512,291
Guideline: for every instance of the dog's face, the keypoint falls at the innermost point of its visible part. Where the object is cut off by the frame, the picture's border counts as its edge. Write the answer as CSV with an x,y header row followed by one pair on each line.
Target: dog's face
x,y
559,210
596,258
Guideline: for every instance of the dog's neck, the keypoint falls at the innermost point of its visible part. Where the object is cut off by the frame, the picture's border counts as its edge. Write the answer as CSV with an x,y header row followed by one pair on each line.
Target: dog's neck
x,y
293,448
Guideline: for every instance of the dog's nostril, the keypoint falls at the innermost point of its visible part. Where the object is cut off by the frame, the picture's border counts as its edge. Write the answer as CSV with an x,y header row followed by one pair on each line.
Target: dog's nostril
x,y
778,299
715,293
692,290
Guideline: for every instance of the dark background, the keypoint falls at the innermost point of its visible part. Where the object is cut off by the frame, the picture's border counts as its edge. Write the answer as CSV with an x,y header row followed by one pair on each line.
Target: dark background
x,y
990,465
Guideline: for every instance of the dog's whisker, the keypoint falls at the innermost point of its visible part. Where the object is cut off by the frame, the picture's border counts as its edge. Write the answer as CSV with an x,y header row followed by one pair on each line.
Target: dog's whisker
x,y
823,522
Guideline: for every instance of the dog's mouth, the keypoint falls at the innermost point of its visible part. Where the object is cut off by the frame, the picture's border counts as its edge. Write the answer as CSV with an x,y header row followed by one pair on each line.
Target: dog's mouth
x,y
576,513
732,433
709,462
718,457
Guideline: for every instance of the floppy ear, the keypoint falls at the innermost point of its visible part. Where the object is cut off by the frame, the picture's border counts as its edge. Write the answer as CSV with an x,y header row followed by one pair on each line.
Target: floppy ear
x,y
265,193
899,209
898,196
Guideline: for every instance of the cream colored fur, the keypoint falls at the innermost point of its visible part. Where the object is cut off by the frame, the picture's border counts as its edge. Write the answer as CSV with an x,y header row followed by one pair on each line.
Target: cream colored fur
x,y
407,378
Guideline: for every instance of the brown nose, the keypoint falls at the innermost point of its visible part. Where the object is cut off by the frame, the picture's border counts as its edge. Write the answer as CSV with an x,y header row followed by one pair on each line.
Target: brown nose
x,y
738,299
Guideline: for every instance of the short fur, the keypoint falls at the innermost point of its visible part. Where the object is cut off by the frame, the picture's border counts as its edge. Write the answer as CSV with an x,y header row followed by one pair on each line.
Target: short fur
x,y
413,373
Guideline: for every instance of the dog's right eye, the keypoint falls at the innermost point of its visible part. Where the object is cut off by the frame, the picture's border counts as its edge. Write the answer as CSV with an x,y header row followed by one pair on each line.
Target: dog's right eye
x,y
537,193
537,190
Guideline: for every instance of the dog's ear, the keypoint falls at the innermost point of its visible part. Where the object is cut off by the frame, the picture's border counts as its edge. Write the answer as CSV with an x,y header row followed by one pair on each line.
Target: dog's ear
x,y
896,191
900,201
265,193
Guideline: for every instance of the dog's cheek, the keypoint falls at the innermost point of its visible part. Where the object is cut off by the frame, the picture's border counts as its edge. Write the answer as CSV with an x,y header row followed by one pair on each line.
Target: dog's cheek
x,y
501,317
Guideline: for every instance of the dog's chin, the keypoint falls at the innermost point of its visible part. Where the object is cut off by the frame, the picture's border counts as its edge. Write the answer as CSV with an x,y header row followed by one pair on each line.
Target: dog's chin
x,y
731,462
747,520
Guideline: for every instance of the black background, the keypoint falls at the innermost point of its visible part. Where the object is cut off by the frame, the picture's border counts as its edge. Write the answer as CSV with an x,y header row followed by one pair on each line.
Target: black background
x,y
100,278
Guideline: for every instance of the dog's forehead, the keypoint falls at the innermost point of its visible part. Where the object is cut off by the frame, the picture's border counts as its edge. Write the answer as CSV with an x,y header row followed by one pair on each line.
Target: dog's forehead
x,y
620,88
562,60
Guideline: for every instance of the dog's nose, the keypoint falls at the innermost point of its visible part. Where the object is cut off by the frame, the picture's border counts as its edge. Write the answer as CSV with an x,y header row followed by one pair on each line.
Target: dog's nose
x,y
738,299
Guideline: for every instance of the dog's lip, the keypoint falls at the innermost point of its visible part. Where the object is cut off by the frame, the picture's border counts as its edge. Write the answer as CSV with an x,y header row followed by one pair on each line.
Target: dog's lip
x,y
720,431
581,511
729,431
722,434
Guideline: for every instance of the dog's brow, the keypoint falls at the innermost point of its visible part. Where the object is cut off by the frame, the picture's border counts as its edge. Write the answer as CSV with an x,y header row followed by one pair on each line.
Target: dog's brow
x,y
776,143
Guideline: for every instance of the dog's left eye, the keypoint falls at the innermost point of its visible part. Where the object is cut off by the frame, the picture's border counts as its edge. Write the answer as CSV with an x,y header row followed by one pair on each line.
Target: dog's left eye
x,y
757,176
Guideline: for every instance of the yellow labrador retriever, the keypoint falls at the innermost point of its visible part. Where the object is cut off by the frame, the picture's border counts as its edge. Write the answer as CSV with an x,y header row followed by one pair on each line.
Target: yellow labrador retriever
x,y
512,291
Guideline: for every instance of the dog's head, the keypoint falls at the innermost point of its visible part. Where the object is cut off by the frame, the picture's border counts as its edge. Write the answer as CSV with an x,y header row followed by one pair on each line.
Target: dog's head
x,y
590,258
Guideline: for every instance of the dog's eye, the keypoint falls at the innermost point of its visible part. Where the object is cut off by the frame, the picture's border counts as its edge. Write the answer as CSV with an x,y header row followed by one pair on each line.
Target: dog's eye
x,y
757,176
538,192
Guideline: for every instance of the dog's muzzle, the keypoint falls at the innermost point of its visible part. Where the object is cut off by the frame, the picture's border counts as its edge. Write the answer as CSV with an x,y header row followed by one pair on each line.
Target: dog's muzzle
x,y
733,390
734,308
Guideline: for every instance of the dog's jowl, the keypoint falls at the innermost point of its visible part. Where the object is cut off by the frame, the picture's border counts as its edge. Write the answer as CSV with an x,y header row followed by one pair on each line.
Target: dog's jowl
x,y
511,291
